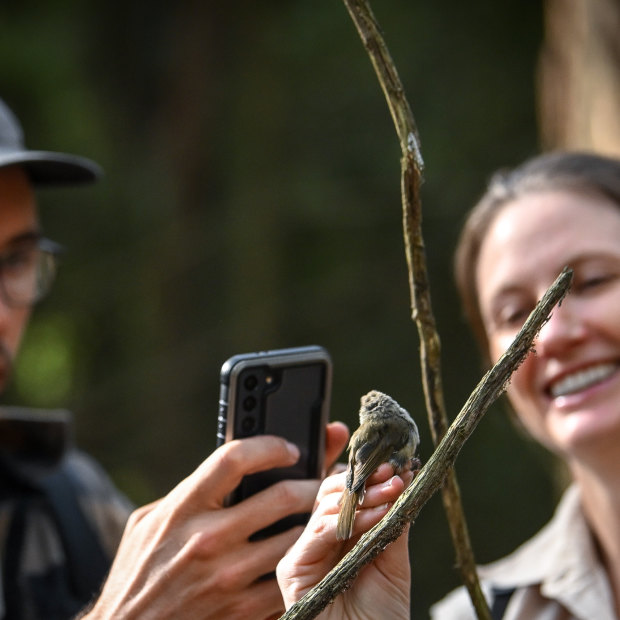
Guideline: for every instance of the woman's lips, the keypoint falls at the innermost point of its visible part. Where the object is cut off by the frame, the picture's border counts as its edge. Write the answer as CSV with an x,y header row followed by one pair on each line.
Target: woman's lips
x,y
582,379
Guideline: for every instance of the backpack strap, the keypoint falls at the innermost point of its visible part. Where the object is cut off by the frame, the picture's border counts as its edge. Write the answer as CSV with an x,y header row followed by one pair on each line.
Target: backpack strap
x,y
10,561
87,562
501,598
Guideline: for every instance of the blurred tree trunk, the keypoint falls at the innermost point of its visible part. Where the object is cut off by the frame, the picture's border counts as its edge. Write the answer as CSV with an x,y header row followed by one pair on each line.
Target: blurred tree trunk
x,y
579,76
205,89
215,265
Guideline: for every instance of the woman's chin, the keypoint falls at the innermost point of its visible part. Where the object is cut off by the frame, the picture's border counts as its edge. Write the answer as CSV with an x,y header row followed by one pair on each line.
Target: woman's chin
x,y
581,432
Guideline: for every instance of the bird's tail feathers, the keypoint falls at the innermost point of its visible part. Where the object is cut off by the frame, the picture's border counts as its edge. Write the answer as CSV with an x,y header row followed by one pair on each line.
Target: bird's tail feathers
x,y
346,516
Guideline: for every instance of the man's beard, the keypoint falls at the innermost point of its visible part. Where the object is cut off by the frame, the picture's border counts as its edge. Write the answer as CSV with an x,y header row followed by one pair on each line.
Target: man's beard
x,y
6,366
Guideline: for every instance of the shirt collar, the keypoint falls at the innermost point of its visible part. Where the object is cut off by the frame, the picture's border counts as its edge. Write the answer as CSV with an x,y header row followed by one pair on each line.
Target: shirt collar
x,y
562,559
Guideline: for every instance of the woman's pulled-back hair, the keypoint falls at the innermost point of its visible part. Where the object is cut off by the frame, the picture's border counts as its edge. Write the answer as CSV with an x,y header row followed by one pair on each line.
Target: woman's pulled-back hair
x,y
565,171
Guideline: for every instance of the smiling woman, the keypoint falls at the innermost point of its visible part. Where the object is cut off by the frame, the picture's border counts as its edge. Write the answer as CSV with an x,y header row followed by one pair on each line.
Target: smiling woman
x,y
557,210
571,373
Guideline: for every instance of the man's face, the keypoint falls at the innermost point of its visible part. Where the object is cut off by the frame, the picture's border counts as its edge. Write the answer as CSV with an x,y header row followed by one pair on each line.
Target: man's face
x,y
18,221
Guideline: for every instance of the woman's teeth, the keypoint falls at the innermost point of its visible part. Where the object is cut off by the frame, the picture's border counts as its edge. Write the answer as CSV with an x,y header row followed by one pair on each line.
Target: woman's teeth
x,y
582,379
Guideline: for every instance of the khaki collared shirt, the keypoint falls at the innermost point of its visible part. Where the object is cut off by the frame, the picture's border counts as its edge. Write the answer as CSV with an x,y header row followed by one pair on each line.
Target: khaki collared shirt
x,y
557,575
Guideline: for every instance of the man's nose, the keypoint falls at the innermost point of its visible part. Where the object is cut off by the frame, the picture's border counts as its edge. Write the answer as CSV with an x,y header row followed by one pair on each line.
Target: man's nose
x,y
5,313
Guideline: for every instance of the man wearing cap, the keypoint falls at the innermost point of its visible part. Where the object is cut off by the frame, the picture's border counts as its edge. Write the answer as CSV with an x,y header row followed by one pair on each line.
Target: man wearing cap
x,y
61,518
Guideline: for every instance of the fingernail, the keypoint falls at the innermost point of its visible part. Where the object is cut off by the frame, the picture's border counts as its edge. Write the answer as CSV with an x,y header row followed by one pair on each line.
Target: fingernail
x,y
293,450
390,482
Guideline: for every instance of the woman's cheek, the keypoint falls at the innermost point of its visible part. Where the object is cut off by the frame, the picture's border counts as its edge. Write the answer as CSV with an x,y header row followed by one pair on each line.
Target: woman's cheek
x,y
498,345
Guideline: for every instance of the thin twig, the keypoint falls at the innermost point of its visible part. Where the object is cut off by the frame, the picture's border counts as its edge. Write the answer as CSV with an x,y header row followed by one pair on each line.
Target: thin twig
x,y
430,478
422,314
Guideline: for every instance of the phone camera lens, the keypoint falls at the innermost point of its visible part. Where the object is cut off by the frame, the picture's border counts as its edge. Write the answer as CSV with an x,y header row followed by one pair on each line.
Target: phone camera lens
x,y
250,382
248,424
249,403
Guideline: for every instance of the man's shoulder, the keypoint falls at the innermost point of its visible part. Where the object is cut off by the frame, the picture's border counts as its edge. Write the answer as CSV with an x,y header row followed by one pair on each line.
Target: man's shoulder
x,y
87,474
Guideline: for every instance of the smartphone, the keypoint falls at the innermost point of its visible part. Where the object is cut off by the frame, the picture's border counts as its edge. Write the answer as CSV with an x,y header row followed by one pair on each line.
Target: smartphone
x,y
283,392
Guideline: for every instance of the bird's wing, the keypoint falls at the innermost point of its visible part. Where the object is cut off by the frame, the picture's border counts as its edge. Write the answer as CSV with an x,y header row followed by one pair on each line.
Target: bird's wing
x,y
381,441
370,453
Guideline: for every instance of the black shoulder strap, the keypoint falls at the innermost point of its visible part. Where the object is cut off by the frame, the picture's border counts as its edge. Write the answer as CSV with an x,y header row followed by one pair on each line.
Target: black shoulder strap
x,y
501,597
86,560
10,561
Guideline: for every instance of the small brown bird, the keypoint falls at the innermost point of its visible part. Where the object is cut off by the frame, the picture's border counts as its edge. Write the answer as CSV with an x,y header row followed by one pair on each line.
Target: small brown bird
x,y
386,434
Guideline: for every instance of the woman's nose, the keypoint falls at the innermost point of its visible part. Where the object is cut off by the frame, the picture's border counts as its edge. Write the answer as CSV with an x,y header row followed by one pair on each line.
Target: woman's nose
x,y
563,330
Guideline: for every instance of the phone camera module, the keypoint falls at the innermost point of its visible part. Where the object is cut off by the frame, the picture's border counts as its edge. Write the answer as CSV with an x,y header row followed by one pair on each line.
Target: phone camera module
x,y
250,382
249,403
248,424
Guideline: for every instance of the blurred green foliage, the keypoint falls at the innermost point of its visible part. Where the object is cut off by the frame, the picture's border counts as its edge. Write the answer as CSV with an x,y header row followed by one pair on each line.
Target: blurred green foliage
x,y
252,201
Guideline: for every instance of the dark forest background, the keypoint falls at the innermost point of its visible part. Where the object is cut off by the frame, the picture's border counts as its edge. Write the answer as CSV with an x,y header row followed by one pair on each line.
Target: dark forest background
x,y
251,201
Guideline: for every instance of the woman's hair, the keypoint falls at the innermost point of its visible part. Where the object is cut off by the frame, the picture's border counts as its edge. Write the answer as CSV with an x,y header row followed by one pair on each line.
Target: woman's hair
x,y
569,171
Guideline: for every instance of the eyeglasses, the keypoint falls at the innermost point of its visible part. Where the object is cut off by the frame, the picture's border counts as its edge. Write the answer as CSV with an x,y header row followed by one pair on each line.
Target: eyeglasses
x,y
27,271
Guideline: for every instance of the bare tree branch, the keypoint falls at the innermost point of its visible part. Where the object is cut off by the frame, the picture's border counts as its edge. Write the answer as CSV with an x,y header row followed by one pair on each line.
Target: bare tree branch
x,y
419,289
432,475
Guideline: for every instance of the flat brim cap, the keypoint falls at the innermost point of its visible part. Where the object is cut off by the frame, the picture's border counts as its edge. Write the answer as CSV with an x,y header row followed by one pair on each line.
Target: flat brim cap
x,y
43,167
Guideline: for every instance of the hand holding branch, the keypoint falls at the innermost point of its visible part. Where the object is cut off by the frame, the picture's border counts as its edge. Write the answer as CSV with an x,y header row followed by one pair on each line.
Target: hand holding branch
x,y
428,480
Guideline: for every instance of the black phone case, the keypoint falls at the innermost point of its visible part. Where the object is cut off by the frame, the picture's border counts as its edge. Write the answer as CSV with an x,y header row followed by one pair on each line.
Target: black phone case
x,y
283,392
